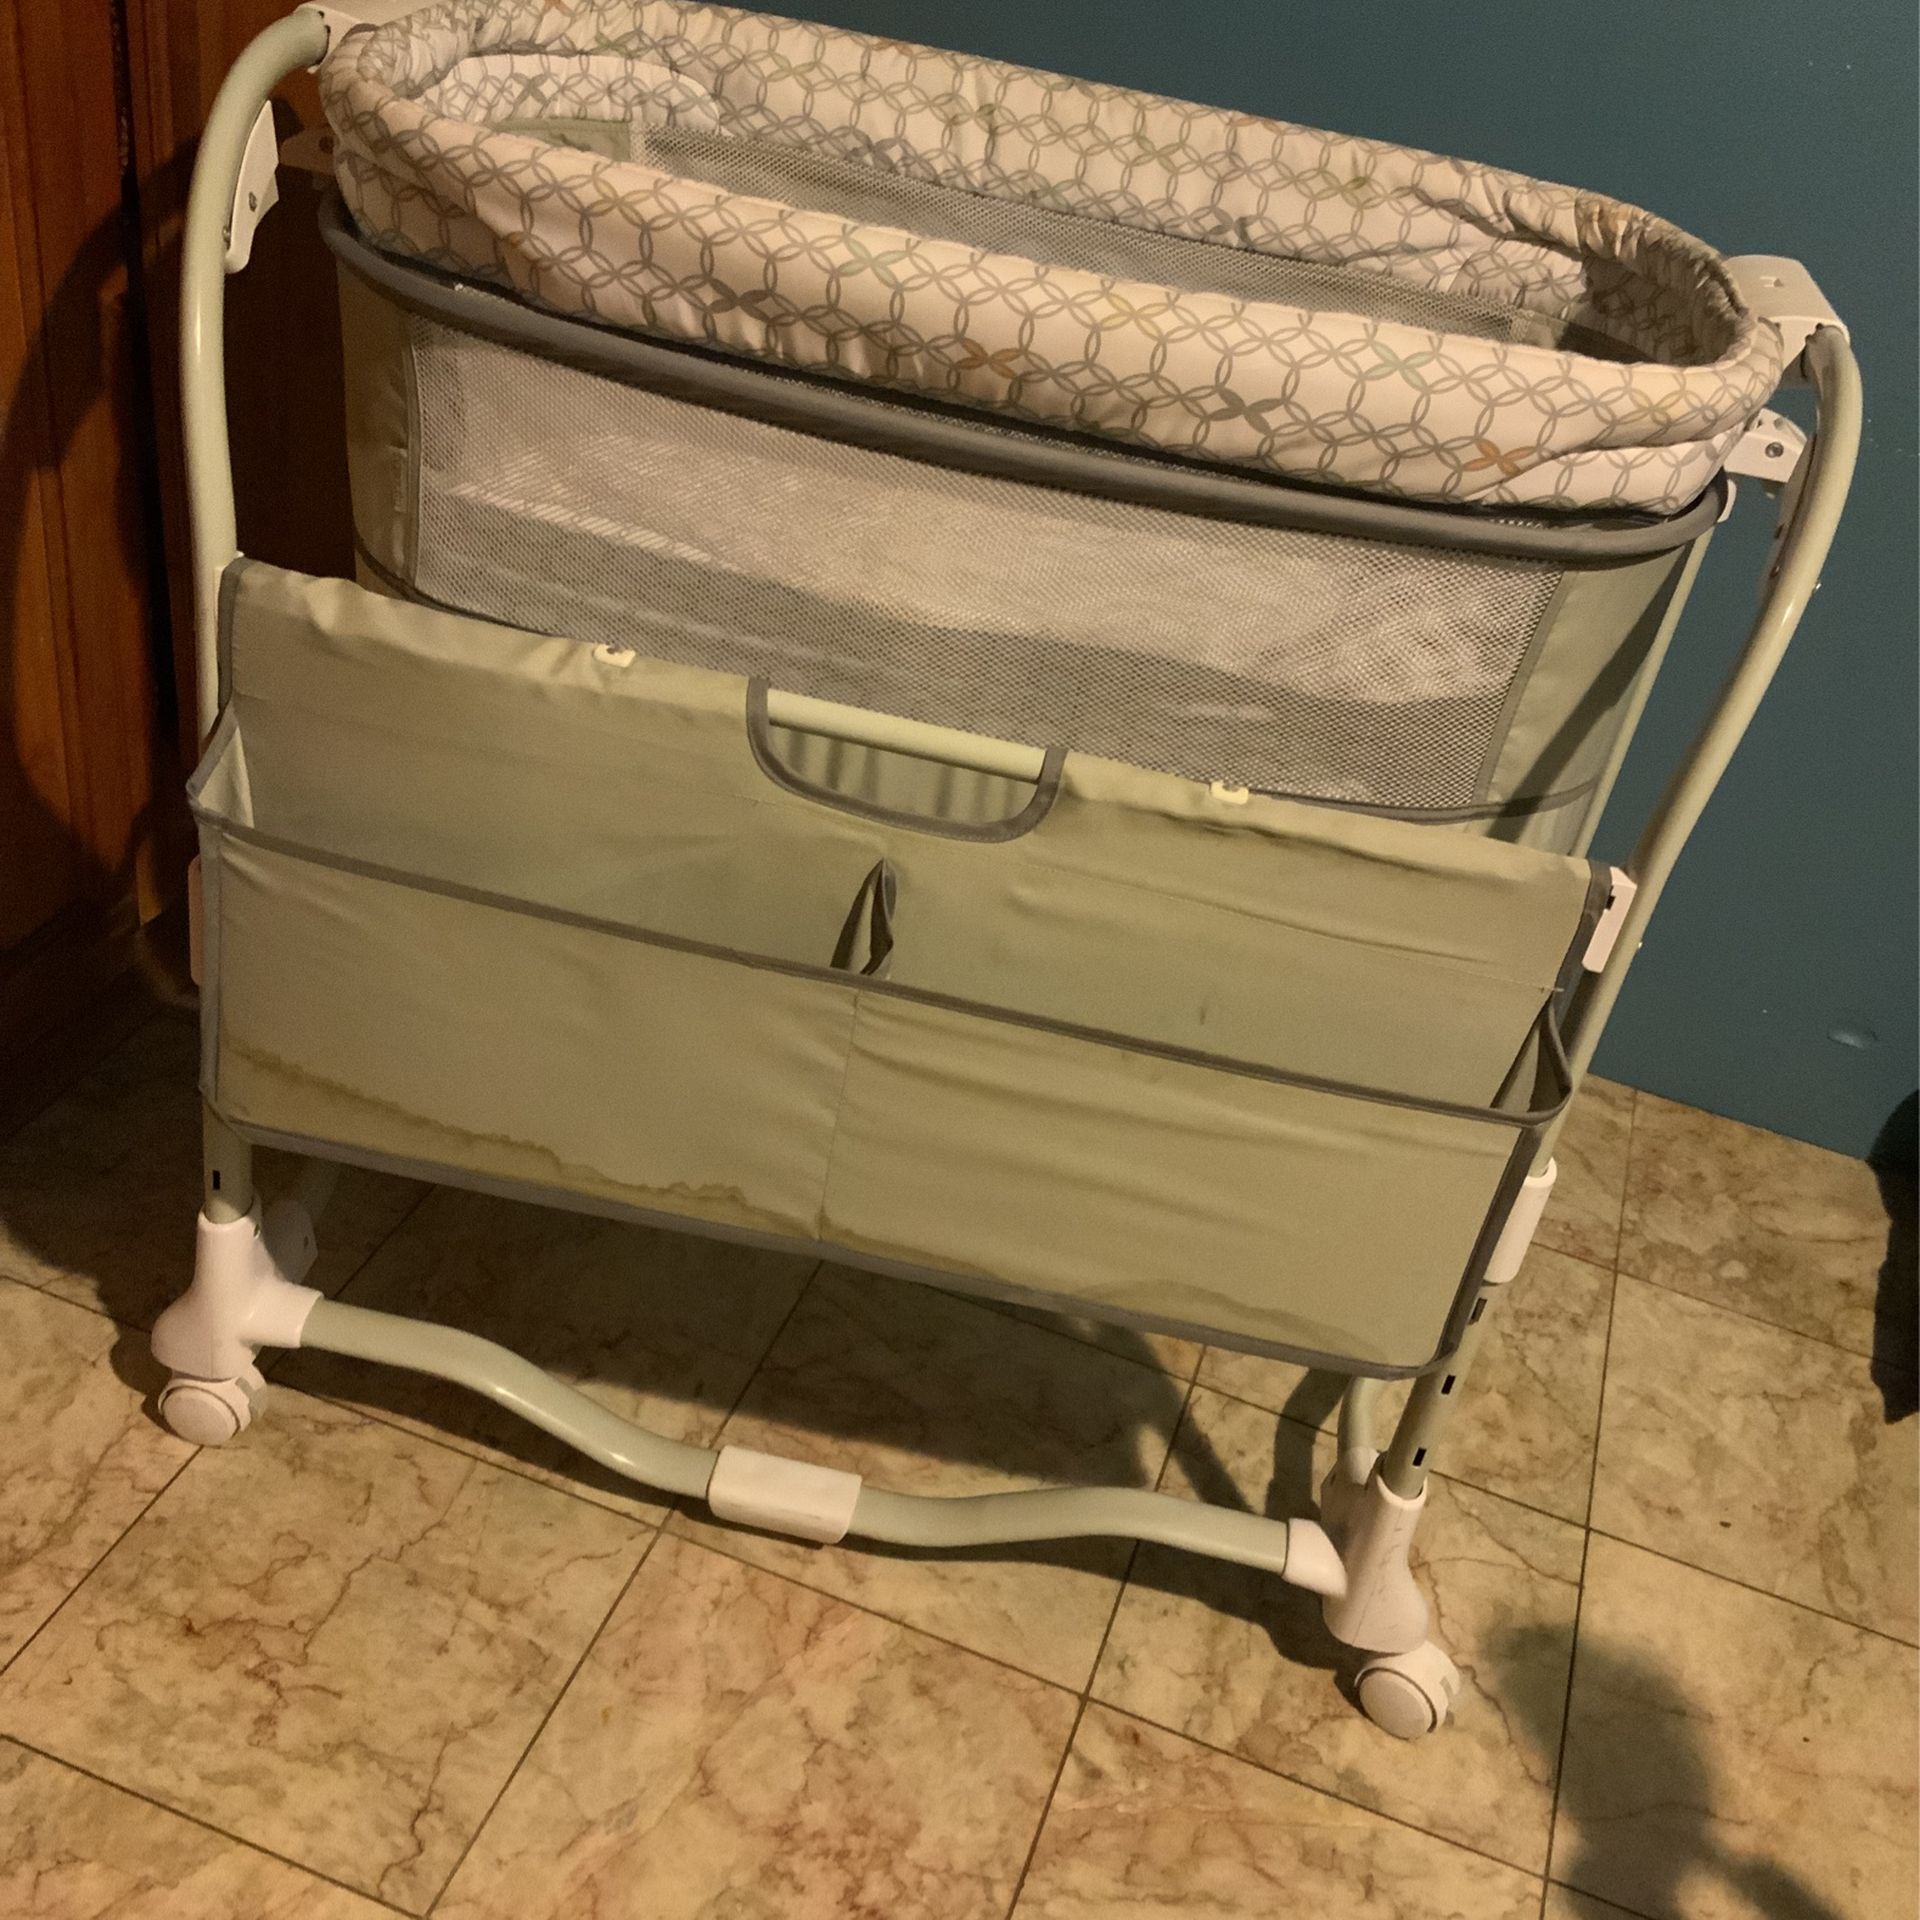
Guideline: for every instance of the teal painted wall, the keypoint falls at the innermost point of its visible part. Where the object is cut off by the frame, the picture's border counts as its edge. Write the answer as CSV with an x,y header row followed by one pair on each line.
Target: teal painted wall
x,y
1765,127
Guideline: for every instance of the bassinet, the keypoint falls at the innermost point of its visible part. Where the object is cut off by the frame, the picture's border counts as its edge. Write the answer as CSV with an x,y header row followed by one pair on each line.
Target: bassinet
x,y
1000,677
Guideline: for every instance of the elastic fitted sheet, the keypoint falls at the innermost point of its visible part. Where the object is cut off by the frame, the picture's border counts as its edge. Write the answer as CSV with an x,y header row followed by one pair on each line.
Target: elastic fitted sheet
x,y
1179,277
570,919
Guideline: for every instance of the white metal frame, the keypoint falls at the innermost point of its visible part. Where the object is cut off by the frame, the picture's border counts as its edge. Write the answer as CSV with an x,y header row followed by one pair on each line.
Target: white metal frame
x,y
247,1291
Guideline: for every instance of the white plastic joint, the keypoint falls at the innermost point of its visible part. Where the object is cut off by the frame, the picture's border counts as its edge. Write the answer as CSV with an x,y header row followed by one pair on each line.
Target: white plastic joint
x,y
1382,1609
1769,450
1523,1222
255,189
244,1294
1313,1561
1621,888
783,1496
1784,292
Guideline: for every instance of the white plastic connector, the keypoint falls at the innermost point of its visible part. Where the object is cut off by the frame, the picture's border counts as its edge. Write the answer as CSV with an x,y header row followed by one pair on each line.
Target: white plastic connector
x,y
1606,930
1382,1609
1228,795
1313,1561
783,1496
1523,1222
363,13
244,1294
1783,292
255,190
1769,450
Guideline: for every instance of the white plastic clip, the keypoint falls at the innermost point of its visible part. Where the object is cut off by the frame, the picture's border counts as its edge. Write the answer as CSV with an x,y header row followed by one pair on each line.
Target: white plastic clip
x,y
1769,450
1229,796
1606,931
255,190
1783,292
783,1496
1523,1222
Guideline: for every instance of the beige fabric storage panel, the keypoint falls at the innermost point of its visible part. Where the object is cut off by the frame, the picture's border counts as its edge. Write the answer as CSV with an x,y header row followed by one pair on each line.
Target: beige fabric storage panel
x,y
505,908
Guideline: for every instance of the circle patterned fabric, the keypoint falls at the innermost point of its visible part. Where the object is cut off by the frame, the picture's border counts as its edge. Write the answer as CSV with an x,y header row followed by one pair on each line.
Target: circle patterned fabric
x,y
530,146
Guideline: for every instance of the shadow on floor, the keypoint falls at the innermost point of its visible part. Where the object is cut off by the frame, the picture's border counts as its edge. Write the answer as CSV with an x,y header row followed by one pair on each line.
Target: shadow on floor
x,y
1636,1753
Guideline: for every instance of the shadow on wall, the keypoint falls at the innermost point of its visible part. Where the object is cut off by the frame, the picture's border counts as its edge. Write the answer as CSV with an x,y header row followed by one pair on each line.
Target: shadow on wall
x,y
1896,1313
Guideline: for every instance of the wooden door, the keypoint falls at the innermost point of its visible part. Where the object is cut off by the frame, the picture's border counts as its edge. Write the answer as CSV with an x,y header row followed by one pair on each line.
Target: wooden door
x,y
79,566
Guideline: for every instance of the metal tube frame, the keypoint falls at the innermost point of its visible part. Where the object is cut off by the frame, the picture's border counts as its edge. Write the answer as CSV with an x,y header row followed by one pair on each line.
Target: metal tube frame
x,y
1809,513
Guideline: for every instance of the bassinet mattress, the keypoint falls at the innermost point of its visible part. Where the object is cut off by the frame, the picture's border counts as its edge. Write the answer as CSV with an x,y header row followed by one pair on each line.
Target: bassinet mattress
x,y
1196,281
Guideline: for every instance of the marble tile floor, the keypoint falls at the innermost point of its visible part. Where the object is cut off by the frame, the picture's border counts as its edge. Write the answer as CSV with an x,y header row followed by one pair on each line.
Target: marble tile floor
x,y
390,1654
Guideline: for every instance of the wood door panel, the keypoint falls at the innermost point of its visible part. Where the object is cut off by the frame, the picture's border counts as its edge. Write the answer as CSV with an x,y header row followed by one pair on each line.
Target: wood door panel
x,y
38,875
77,730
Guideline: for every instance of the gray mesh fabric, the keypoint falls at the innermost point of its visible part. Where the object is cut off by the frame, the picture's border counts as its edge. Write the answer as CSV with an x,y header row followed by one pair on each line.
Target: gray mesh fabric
x,y
1298,662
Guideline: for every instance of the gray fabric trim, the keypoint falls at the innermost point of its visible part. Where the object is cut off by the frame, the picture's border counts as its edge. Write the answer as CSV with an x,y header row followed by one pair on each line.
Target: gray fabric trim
x,y
433,1172
223,625
1046,788
1552,1049
978,442
1517,808
215,750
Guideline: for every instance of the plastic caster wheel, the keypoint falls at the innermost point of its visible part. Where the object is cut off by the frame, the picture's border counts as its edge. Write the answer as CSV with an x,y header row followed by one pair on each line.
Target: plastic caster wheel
x,y
1408,1694
210,1412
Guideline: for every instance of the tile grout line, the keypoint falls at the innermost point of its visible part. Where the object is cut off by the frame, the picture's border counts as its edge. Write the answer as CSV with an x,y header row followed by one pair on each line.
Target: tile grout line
x,y
1566,1720
1586,1523
106,1553
1760,1593
1280,1773
208,1826
1012,1310
1046,1806
723,1547
1741,1313
503,1461
533,1740
1599,1899
1106,1705
753,1372
1626,1182
1439,1473
1621,1271
498,1459
1100,1652
1325,1792
1672,1559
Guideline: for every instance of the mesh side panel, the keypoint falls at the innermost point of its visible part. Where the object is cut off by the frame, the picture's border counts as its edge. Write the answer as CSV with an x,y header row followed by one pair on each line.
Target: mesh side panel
x,y
1301,662
867,194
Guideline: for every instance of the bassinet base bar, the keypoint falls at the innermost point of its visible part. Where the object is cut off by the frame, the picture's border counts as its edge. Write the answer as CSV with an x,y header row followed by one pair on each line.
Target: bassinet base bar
x,y
247,1294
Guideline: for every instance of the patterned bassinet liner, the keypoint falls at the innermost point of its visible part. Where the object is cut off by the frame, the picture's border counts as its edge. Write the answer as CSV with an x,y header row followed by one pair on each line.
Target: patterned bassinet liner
x,y
1199,282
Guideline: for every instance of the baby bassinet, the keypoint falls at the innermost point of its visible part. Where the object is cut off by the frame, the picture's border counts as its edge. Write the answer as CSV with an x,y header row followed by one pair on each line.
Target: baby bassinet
x,y
1000,677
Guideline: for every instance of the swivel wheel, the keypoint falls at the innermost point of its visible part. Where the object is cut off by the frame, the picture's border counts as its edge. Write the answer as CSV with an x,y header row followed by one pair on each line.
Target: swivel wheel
x,y
1408,1694
210,1412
